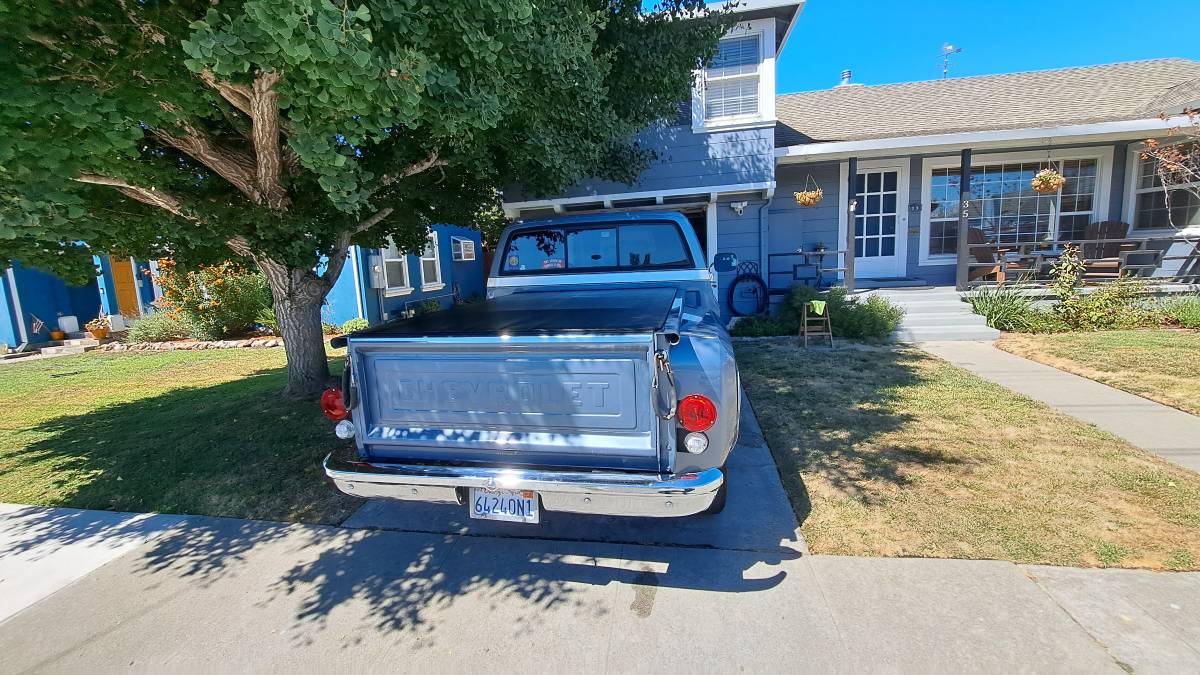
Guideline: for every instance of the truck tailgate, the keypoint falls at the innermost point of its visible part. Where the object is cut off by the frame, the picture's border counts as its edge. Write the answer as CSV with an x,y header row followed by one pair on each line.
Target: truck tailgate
x,y
581,401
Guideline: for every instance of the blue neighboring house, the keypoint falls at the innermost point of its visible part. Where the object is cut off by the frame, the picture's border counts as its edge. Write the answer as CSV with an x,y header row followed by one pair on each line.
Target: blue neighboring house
x,y
382,284
738,151
376,285
123,287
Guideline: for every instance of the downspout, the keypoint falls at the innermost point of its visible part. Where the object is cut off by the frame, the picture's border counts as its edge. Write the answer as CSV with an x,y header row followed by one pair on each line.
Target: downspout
x,y
16,298
763,237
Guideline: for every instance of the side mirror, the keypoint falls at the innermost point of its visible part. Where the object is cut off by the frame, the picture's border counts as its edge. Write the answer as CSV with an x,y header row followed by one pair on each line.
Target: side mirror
x,y
725,262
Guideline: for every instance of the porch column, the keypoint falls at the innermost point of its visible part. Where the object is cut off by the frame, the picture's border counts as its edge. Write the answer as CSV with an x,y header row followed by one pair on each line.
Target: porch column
x,y
851,206
964,247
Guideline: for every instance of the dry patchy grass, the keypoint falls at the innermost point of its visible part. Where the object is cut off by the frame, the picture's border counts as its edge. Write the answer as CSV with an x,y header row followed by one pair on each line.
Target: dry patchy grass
x,y
202,432
1156,364
893,452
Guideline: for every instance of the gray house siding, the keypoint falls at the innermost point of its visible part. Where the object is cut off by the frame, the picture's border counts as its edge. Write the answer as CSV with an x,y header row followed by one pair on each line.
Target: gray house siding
x,y
686,161
741,235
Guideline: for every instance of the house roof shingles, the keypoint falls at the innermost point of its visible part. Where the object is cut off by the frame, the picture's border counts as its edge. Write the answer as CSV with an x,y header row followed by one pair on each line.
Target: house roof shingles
x,y
1048,98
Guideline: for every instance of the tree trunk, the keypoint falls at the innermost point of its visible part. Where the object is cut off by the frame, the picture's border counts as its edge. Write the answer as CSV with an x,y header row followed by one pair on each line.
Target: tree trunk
x,y
298,298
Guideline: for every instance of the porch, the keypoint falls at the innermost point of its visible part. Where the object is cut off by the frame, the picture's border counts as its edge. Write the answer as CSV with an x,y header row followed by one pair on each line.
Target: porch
x,y
974,220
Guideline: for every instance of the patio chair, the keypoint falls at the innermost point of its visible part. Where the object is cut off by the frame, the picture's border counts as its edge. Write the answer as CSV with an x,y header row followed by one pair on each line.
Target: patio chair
x,y
993,262
1105,260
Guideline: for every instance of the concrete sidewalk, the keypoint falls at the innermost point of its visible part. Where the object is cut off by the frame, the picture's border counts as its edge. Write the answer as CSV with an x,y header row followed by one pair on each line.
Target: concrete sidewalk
x,y
220,595
1163,430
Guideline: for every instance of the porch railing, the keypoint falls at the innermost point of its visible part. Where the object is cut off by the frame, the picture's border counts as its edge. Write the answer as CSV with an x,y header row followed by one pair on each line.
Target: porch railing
x,y
1167,259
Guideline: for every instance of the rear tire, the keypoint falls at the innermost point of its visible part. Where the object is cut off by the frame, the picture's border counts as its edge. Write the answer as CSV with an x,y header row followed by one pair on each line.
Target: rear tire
x,y
718,504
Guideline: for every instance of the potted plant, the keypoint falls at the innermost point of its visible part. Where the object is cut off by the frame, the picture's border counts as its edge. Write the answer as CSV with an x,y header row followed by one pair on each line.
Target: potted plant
x,y
1048,181
98,327
58,335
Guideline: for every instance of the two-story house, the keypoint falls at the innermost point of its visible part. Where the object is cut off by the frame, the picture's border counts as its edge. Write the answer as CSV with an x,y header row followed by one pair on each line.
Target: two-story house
x,y
734,157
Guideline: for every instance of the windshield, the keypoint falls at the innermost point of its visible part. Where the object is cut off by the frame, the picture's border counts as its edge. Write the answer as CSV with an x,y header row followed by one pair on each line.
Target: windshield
x,y
594,248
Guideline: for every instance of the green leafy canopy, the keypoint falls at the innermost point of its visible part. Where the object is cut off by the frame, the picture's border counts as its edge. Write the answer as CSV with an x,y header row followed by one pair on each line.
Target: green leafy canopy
x,y
284,129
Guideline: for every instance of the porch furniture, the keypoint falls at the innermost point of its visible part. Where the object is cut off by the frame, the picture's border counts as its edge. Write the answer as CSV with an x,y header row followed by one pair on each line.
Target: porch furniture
x,y
814,323
993,261
816,260
1107,255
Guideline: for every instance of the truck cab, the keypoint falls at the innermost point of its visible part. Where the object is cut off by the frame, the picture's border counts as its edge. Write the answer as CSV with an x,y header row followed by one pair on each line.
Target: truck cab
x,y
597,377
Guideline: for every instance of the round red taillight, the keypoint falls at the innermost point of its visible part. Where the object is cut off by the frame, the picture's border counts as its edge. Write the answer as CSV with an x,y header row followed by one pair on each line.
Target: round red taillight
x,y
697,413
332,406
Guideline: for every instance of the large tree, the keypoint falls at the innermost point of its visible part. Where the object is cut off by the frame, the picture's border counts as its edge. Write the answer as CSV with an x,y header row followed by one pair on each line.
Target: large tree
x,y
282,131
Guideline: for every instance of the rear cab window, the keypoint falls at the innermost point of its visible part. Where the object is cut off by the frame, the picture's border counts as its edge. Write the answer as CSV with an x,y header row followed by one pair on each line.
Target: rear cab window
x,y
596,247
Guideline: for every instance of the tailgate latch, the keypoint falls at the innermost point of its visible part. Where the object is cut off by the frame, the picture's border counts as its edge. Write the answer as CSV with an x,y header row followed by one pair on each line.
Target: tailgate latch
x,y
662,365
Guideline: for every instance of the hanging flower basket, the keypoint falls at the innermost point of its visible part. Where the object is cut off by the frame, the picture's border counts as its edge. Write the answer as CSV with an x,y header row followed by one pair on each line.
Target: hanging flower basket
x,y
1047,181
809,197
811,194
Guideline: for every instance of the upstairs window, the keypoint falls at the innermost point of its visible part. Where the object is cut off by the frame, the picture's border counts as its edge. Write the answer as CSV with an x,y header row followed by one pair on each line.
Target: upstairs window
x,y
731,80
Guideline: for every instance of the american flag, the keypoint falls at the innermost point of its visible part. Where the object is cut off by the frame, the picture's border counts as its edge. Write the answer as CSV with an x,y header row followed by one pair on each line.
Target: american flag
x,y
37,324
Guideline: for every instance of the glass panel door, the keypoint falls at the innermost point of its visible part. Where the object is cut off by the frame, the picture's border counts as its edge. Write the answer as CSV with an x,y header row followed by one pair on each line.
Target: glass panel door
x,y
877,224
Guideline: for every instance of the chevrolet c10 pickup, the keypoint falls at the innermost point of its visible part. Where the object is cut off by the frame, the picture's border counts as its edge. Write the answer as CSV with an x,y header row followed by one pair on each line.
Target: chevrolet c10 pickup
x,y
597,377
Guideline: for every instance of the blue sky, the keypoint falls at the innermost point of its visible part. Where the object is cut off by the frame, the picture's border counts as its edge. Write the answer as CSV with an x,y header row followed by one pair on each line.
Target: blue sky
x,y
899,41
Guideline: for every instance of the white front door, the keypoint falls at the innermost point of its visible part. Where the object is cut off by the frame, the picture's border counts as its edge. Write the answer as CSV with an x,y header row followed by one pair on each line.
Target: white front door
x,y
881,221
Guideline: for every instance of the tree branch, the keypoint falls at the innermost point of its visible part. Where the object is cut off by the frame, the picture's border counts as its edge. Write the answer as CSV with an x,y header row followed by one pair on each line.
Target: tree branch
x,y
264,120
150,196
237,94
232,165
373,220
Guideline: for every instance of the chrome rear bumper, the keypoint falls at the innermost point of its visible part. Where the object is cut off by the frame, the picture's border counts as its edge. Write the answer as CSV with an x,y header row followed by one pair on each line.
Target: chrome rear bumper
x,y
608,493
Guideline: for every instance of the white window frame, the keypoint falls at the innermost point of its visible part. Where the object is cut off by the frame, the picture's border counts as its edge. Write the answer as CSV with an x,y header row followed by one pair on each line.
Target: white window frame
x,y
1129,210
765,30
431,244
459,248
393,254
1103,155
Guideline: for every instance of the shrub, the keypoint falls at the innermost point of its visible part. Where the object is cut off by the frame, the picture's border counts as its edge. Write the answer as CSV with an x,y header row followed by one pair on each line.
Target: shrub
x,y
762,326
1041,321
426,306
1117,305
162,326
330,328
1004,307
355,325
266,319
850,317
214,301
1183,311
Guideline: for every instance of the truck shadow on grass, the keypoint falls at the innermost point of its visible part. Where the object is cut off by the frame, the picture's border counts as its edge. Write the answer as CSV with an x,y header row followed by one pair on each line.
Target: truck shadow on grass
x,y
237,449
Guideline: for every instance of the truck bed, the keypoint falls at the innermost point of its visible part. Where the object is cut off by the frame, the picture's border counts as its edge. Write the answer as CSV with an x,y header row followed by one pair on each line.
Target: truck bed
x,y
602,312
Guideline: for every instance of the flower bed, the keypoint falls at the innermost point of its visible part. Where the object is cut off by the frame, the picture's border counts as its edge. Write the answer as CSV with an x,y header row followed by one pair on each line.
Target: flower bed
x,y
191,345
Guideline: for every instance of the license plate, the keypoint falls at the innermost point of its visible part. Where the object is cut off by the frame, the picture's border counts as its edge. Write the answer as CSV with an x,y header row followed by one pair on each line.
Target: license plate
x,y
518,506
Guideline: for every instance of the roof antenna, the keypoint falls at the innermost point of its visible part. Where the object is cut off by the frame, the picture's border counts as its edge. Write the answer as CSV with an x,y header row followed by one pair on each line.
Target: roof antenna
x,y
948,50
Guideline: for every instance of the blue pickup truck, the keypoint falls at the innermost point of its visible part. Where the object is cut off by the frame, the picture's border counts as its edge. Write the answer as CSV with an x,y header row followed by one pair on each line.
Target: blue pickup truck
x,y
597,377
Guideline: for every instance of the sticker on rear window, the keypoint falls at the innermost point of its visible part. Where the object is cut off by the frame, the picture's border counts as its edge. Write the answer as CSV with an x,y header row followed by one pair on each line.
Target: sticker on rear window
x,y
513,262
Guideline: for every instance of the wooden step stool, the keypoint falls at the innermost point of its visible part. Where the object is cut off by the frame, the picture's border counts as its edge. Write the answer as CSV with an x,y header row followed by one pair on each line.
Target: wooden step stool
x,y
815,325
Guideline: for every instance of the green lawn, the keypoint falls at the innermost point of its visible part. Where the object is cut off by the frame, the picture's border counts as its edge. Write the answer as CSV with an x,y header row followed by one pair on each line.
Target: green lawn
x,y
892,452
201,432
1157,364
